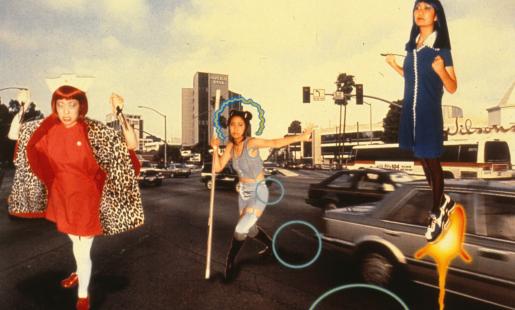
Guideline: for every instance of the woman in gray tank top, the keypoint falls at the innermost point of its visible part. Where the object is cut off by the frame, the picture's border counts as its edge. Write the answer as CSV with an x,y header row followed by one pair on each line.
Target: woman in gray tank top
x,y
253,193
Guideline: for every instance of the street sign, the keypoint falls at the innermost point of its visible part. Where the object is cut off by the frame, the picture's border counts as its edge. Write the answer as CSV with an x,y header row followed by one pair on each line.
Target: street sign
x,y
319,94
338,95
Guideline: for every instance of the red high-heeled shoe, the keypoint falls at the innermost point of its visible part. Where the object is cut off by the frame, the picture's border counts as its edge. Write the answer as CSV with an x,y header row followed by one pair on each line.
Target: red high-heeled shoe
x,y
82,303
71,281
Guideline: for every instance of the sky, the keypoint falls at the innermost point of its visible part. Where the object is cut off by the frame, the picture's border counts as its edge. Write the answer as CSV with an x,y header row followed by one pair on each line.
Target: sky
x,y
147,51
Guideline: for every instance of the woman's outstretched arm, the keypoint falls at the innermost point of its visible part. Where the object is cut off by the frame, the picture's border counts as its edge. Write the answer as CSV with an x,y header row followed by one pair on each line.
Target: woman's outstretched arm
x,y
278,143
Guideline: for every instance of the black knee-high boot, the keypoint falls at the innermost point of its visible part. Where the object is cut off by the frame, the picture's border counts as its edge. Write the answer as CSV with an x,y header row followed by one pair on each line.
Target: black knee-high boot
x,y
231,256
264,238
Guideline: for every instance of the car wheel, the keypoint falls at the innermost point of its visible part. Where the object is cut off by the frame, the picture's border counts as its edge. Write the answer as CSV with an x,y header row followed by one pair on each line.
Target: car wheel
x,y
209,184
330,205
158,183
376,269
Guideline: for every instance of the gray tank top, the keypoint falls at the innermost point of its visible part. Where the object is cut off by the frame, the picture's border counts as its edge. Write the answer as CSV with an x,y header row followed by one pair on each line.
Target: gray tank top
x,y
245,165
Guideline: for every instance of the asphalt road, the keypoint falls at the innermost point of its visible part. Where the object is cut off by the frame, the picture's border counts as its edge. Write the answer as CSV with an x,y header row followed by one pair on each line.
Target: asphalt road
x,y
161,265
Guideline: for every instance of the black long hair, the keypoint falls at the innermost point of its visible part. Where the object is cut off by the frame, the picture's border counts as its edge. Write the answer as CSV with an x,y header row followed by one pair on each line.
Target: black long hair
x,y
246,116
442,39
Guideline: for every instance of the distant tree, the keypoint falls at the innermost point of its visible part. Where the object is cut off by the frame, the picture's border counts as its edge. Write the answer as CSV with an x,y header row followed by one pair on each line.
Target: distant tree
x,y
295,127
173,153
31,114
391,123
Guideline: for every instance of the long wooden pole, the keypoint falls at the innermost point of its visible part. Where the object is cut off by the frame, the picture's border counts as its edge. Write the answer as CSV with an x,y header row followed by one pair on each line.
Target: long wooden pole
x,y
212,198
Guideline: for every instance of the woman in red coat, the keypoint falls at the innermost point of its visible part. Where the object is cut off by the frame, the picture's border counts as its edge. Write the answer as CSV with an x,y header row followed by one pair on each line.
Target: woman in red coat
x,y
64,153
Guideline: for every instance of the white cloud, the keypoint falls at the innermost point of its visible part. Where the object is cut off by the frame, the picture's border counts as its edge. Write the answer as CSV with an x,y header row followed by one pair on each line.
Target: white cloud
x,y
130,13
17,40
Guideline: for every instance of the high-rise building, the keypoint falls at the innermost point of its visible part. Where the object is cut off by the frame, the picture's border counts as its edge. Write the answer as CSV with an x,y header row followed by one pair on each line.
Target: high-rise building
x,y
198,107
188,129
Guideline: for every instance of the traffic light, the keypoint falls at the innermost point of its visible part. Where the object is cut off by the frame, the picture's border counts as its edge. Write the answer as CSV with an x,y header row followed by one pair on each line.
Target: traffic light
x,y
306,92
359,93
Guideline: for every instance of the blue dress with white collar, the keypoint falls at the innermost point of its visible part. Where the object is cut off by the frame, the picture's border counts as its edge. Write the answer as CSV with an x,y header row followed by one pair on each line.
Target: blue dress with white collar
x,y
421,126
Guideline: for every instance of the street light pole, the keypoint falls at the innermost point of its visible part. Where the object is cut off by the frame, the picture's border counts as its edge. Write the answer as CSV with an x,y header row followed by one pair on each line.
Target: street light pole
x,y
165,146
370,118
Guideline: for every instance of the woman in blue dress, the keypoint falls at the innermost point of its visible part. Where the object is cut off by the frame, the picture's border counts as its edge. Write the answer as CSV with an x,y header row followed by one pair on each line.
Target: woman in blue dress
x,y
427,69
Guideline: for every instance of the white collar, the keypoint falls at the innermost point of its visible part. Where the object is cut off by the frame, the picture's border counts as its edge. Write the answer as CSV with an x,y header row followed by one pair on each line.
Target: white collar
x,y
429,41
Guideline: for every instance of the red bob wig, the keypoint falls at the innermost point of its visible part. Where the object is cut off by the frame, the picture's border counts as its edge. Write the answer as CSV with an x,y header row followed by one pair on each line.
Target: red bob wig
x,y
70,92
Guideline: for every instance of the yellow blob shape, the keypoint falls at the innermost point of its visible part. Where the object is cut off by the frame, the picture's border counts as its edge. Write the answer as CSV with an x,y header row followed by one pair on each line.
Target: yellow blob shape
x,y
447,247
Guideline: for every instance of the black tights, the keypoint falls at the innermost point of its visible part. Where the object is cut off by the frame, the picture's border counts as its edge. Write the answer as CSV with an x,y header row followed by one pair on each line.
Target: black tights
x,y
434,175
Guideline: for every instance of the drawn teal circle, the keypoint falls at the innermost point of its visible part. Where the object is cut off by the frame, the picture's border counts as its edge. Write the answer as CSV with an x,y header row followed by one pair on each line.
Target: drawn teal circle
x,y
283,191
358,285
292,266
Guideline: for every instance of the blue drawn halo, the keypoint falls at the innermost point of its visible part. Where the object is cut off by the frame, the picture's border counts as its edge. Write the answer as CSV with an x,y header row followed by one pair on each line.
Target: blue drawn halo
x,y
358,285
234,100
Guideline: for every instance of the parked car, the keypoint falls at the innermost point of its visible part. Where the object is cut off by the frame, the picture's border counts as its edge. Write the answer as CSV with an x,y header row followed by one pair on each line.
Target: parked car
x,y
270,167
179,170
383,237
294,165
323,166
149,174
349,187
228,178
309,166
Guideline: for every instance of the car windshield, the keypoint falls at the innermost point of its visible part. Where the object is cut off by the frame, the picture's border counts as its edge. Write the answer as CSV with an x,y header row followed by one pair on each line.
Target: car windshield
x,y
146,164
343,180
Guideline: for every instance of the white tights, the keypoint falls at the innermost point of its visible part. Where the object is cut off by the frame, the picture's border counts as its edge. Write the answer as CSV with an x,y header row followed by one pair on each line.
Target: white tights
x,y
81,252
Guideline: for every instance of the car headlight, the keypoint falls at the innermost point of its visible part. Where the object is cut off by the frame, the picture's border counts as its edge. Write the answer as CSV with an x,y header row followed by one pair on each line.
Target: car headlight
x,y
388,187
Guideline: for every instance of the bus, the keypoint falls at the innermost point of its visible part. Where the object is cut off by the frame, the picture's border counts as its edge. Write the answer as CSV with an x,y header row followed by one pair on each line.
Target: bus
x,y
484,159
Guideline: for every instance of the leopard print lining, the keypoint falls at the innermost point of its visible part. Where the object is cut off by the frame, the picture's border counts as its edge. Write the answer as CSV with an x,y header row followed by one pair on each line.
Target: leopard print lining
x,y
120,205
28,196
